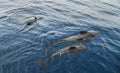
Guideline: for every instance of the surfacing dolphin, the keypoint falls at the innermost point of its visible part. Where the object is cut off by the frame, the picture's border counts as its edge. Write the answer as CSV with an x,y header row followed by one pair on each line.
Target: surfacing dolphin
x,y
30,22
83,35
64,51
67,50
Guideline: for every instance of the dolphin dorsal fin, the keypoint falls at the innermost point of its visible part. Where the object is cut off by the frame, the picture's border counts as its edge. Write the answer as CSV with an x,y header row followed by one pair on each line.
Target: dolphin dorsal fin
x,y
83,32
35,17
72,48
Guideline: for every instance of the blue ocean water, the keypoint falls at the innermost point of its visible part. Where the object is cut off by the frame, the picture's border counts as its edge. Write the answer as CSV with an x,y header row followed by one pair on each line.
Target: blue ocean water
x,y
20,51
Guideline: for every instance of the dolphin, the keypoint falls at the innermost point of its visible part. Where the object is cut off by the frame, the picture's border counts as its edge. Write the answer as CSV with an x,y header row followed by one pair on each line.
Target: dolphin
x,y
28,23
64,51
67,50
83,35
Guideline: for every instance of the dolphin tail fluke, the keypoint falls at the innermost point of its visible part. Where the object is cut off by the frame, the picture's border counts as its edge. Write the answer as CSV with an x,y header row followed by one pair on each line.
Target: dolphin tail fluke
x,y
42,64
48,44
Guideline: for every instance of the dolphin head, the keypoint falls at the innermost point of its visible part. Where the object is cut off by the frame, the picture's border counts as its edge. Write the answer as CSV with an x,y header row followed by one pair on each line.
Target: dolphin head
x,y
92,33
80,47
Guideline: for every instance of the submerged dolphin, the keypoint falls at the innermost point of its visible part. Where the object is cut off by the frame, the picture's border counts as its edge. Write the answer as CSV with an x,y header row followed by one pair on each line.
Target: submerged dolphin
x,y
67,50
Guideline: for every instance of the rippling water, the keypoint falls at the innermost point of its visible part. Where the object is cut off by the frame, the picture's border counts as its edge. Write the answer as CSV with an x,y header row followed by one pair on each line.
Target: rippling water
x,y
19,51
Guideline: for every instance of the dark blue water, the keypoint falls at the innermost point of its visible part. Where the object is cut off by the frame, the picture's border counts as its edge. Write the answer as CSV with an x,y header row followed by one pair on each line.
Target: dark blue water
x,y
20,51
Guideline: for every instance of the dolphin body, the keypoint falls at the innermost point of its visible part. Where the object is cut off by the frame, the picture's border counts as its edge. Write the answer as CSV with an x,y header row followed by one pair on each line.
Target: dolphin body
x,y
83,35
28,23
68,50
64,51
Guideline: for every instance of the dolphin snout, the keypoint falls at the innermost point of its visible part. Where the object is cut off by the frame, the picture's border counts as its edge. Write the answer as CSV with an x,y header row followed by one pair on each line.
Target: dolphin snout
x,y
94,33
82,47
97,33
